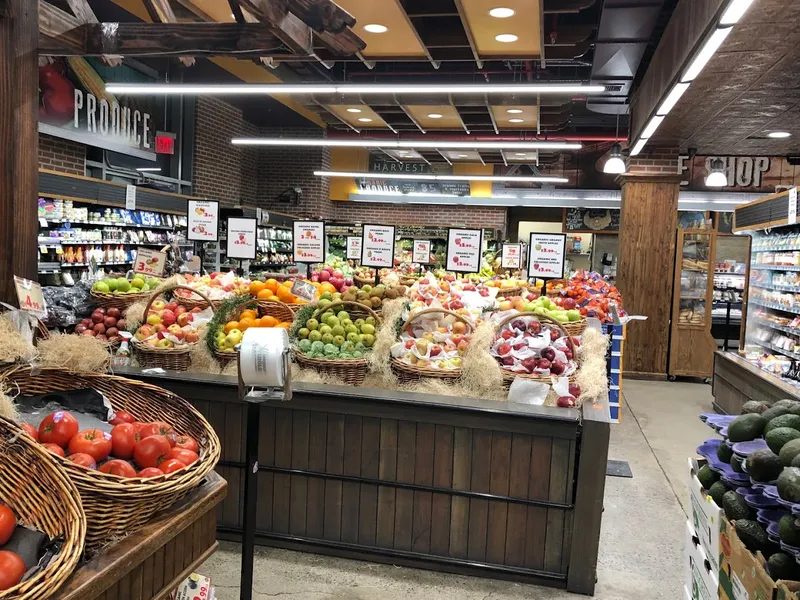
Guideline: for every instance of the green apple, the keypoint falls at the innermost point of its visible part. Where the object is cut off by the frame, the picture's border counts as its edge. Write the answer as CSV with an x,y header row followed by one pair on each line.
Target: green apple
x,y
368,340
312,324
367,328
326,296
326,329
574,315
234,337
303,332
338,330
138,283
123,285
350,329
370,320
343,314
327,338
353,337
359,322
338,340
324,302
332,321
345,323
101,286
314,335
111,283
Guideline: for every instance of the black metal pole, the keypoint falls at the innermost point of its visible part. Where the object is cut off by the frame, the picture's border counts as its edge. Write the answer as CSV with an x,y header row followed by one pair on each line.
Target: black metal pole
x,y
250,501
377,276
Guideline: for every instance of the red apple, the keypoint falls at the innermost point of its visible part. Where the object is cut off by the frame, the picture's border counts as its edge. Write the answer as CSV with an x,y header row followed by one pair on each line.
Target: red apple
x,y
535,327
110,322
409,344
112,332
101,310
99,328
529,364
436,350
180,310
520,345
574,389
80,328
566,402
554,334
122,325
324,276
543,364
89,332
192,337
101,337
549,353
503,349
558,367
507,334
114,312
508,361
158,327
172,306
157,305
97,317
184,318
569,303
167,317
576,342
144,332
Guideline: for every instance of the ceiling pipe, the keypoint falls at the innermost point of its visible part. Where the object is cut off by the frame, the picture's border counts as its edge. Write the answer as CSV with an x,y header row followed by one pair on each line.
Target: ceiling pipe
x,y
455,137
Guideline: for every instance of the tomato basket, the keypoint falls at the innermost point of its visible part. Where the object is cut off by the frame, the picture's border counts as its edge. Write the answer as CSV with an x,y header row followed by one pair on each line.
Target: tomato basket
x,y
42,496
116,506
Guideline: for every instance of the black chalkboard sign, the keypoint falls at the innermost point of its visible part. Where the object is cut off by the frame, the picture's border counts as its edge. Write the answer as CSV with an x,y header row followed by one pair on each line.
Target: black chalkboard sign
x,y
591,220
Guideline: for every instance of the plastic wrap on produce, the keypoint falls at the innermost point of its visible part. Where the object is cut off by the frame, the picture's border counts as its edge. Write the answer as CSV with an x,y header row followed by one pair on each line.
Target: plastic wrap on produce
x,y
66,306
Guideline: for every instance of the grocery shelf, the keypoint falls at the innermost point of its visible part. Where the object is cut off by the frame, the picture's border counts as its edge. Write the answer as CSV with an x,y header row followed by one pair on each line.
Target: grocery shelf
x,y
776,327
777,287
776,249
791,309
775,267
775,348
99,264
109,224
60,242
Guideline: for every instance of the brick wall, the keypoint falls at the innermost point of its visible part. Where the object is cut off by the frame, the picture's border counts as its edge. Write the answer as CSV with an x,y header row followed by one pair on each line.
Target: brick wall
x,y
656,161
420,214
61,155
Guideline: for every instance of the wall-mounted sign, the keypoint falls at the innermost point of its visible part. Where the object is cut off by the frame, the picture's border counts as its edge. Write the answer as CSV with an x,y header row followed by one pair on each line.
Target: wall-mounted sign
x,y
165,142
29,294
464,250
421,252
308,241
242,238
755,174
150,262
203,221
546,255
130,197
353,247
377,246
511,256
591,220
792,206
404,186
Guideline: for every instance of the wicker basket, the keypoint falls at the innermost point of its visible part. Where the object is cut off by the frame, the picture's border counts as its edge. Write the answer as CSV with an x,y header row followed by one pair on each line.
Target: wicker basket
x,y
407,373
191,303
352,370
226,358
509,376
41,495
115,506
279,310
120,301
170,359
575,328
40,332
508,292
553,293
363,280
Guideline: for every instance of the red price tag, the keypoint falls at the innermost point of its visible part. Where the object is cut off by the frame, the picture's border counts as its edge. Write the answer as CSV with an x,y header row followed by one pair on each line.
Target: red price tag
x,y
29,294
150,262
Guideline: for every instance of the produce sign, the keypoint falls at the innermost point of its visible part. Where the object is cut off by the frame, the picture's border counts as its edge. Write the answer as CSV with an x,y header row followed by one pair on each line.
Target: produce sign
x,y
149,262
546,255
203,221
29,294
512,256
353,248
421,252
464,250
242,238
308,241
377,246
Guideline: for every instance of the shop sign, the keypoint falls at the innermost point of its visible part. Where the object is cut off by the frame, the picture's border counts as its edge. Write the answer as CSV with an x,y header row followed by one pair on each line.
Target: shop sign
x,y
546,255
29,294
464,250
130,197
511,256
377,165
354,247
421,252
203,221
377,246
150,262
308,241
793,206
403,186
242,238
591,220
752,174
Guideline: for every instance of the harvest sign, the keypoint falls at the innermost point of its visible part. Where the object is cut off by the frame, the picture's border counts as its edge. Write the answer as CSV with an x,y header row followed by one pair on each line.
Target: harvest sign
x,y
464,250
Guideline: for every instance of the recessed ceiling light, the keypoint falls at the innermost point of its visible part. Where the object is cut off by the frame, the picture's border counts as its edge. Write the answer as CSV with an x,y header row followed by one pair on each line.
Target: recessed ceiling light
x,y
501,13
506,38
354,110
514,111
376,28
779,134
522,154
402,151
365,120
462,155
516,120
434,116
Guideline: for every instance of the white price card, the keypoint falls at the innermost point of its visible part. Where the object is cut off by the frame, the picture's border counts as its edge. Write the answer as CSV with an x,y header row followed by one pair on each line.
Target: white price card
x,y
150,262
421,252
353,248
304,289
792,206
464,250
377,246
29,294
308,241
130,197
242,238
511,257
546,255
203,221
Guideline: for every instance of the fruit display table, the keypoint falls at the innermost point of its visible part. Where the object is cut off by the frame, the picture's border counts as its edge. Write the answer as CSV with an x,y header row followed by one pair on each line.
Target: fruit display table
x,y
737,381
157,557
445,483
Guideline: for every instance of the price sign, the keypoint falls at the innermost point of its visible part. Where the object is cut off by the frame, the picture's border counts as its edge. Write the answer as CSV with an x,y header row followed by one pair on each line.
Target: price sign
x,y
464,250
203,221
421,252
354,248
308,241
29,294
242,238
792,206
149,262
511,257
130,197
304,289
546,255
377,246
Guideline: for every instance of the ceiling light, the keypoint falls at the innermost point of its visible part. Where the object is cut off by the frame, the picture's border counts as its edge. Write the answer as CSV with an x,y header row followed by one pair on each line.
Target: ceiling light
x,y
149,169
516,120
514,111
462,155
709,48
506,38
501,13
427,177
638,147
522,154
672,99
779,135
615,165
354,110
365,119
735,11
386,143
376,28
651,127
434,116
717,177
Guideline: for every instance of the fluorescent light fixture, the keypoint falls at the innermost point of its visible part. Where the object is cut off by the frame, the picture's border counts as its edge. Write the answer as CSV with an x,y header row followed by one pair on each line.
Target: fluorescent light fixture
x,y
514,111
779,135
354,110
445,144
506,38
428,177
365,120
501,13
434,116
638,147
729,201
672,99
516,120
149,169
651,127
376,28
734,12
692,201
706,52
615,165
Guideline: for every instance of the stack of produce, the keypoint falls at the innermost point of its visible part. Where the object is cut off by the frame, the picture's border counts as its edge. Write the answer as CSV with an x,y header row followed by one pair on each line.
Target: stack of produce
x,y
104,324
589,293
334,277
215,286
228,326
271,289
369,296
331,265
120,292
462,296
169,325
507,287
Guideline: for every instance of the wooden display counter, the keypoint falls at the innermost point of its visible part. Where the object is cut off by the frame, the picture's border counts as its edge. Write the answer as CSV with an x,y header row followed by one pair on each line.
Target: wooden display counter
x,y
451,484
737,381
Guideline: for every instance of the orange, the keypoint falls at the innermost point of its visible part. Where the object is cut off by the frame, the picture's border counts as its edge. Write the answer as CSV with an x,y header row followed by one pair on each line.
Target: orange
x,y
265,294
284,294
325,287
269,321
271,285
284,325
257,286
245,323
231,325
248,314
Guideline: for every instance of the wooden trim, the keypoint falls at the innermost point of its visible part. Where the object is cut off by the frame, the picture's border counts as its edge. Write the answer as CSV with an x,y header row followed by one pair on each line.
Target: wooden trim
x,y
172,585
764,199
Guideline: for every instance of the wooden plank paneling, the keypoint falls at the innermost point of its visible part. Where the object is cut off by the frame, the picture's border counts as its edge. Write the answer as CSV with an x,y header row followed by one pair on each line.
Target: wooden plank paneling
x,y
334,463
423,475
442,478
299,483
406,452
387,471
462,475
266,457
318,438
479,509
498,484
559,482
370,467
519,482
283,458
538,489
352,466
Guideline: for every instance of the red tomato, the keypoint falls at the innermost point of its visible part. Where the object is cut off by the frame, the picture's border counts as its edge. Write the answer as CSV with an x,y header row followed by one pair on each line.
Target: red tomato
x,y
58,428
150,472
31,430
139,426
151,451
122,416
8,523
171,465
187,457
118,467
187,443
11,569
94,442
85,460
123,440
159,428
55,449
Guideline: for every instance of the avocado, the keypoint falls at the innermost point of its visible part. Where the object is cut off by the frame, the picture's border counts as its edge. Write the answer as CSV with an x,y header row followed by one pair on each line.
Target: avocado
x,y
788,531
746,427
752,535
735,507
736,464
796,461
724,453
776,438
791,421
707,477
775,411
789,451
717,491
787,402
754,407
789,484
763,466
782,566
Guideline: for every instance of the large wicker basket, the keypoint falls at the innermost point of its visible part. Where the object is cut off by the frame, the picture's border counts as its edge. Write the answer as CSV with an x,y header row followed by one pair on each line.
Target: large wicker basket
x,y
42,496
407,373
352,370
280,310
170,359
575,328
508,292
226,358
116,506
120,301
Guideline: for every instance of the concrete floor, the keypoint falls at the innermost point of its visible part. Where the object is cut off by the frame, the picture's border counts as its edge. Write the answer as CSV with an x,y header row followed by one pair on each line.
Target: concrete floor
x,y
641,546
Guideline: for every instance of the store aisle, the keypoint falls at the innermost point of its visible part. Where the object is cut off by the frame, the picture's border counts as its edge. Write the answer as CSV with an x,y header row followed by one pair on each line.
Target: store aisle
x,y
641,546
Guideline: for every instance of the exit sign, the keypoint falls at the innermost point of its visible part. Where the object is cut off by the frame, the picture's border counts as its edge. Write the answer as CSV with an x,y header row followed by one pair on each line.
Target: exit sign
x,y
165,143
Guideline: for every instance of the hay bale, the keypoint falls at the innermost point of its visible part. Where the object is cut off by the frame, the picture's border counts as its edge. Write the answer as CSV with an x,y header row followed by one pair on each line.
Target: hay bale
x,y
15,346
7,408
75,353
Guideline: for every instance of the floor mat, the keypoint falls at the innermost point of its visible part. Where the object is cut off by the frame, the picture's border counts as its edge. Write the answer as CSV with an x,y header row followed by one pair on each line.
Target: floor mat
x,y
618,468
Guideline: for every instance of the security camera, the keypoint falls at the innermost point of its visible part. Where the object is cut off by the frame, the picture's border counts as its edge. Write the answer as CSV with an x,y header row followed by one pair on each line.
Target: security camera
x,y
298,190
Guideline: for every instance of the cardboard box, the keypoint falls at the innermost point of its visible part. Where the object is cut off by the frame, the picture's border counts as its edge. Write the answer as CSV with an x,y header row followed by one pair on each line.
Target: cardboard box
x,y
705,515
700,578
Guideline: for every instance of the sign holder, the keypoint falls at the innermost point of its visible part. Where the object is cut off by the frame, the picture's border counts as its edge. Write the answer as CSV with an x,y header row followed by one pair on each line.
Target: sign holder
x,y
241,223
532,251
508,265
150,262
480,250
377,267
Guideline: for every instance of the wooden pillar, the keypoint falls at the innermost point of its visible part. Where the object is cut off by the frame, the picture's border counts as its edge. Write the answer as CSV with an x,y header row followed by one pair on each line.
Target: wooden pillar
x,y
19,142
648,227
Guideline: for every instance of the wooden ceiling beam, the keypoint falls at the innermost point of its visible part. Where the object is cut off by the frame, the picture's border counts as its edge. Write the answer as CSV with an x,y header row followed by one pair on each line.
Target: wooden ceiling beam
x,y
346,43
160,11
85,14
60,31
286,26
322,15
